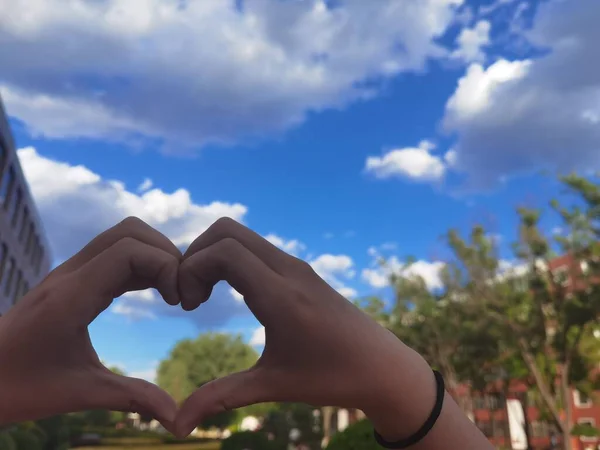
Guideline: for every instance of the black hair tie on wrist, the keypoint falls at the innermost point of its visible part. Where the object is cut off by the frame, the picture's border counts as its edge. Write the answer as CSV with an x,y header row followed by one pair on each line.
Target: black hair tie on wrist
x,y
427,426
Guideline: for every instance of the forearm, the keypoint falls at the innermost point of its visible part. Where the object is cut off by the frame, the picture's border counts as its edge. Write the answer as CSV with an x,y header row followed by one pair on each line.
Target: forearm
x,y
409,401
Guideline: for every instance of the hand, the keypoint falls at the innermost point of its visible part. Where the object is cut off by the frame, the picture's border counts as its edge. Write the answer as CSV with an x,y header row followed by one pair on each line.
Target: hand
x,y
320,349
48,365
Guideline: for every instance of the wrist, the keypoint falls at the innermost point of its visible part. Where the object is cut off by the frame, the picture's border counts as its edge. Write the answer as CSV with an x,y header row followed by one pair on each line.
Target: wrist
x,y
405,399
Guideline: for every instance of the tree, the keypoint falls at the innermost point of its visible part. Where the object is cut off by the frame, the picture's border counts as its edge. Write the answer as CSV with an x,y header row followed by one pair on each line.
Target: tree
x,y
488,288
542,313
247,440
294,416
436,322
358,436
193,363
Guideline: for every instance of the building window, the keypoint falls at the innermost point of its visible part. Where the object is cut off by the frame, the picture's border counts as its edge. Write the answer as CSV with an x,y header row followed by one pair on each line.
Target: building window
x,y
498,428
18,288
24,223
24,288
38,250
17,207
36,247
539,429
38,263
30,235
494,401
486,427
10,273
478,402
590,422
581,399
7,186
3,256
2,156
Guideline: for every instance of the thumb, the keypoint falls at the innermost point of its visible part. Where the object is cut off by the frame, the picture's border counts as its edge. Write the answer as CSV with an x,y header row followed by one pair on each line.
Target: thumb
x,y
120,393
223,394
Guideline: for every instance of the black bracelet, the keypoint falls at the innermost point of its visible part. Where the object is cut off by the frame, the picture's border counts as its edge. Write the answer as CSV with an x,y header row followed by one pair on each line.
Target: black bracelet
x,y
427,426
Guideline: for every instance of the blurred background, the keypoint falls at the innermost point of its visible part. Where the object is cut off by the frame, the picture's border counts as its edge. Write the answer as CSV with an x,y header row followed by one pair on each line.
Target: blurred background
x,y
435,161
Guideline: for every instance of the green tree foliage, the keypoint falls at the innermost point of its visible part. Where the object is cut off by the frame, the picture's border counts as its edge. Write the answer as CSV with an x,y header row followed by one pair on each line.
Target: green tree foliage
x,y
6,441
247,440
35,430
26,440
280,421
524,318
193,363
437,323
56,430
358,436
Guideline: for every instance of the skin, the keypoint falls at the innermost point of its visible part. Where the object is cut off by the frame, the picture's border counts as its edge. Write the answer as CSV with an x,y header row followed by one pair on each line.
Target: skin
x,y
320,349
47,363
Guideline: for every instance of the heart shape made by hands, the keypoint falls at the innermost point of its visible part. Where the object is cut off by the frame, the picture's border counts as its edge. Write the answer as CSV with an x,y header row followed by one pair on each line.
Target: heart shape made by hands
x,y
320,349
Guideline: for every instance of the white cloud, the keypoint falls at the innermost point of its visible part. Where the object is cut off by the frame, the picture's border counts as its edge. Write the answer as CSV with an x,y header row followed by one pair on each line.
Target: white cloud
x,y
258,338
147,374
293,247
146,296
77,204
236,295
145,185
378,276
335,270
178,70
479,88
137,369
52,116
488,9
132,312
327,265
471,42
347,292
417,163
514,117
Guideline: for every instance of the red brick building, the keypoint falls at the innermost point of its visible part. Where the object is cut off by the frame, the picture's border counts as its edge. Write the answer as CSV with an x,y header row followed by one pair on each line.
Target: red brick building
x,y
493,413
490,412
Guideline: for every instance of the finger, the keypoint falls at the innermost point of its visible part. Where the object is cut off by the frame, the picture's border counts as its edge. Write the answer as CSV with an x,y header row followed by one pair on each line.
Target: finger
x,y
128,265
130,227
230,261
224,394
113,392
271,255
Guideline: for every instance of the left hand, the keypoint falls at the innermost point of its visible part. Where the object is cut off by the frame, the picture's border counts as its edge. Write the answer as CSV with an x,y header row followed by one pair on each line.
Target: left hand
x,y
48,365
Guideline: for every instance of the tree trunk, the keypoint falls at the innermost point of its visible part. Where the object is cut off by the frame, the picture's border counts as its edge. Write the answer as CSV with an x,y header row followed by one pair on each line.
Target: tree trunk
x,y
327,412
507,438
525,403
542,385
567,423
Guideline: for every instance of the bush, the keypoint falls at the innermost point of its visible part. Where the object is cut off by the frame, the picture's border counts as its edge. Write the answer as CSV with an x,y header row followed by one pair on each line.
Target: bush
x,y
247,440
26,440
170,439
34,429
57,432
6,441
358,436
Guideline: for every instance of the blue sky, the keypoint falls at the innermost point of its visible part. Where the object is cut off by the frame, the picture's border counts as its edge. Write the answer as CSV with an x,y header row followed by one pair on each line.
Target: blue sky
x,y
341,132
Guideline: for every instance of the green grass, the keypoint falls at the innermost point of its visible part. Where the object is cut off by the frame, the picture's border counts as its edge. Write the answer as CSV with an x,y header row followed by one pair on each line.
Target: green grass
x,y
151,444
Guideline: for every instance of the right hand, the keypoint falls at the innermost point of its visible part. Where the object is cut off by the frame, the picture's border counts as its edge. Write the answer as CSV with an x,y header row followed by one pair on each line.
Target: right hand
x,y
320,349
